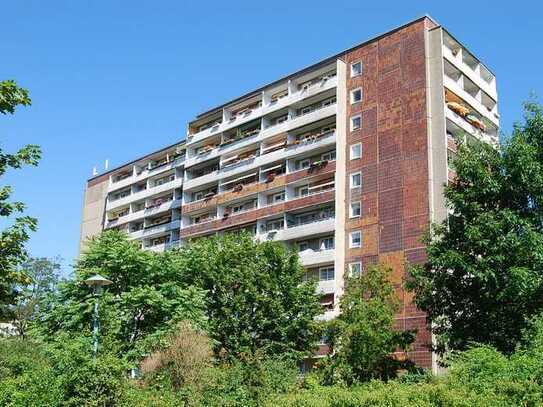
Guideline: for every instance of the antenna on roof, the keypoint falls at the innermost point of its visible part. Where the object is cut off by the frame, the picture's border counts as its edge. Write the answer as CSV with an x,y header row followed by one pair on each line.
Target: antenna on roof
x,y
94,171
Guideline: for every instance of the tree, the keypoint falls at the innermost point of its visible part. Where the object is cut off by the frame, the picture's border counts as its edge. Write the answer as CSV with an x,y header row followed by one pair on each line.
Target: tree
x,y
145,302
14,237
256,297
363,336
44,278
483,280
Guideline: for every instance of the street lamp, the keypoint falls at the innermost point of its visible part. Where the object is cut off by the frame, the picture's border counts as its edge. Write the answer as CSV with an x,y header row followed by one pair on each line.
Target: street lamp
x,y
96,282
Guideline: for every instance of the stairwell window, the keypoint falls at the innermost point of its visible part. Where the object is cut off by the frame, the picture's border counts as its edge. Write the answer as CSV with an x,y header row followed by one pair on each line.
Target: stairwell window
x,y
355,269
356,69
355,239
356,122
355,210
356,95
356,180
356,151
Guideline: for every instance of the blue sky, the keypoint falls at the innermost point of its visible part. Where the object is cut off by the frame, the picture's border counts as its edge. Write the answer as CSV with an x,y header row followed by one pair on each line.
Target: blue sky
x,y
117,79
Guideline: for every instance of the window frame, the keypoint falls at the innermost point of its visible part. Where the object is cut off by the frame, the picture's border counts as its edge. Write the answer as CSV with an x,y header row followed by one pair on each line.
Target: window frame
x,y
327,269
351,176
351,213
353,118
351,272
351,149
351,235
354,74
322,246
352,97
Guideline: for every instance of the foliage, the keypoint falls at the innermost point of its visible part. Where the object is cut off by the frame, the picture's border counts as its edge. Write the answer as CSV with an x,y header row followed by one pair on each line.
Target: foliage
x,y
484,277
43,274
145,302
363,335
185,358
256,298
14,237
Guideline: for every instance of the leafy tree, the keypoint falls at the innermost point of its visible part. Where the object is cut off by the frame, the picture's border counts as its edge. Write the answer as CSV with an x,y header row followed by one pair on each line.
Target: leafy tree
x,y
14,237
43,274
256,297
145,302
363,335
483,280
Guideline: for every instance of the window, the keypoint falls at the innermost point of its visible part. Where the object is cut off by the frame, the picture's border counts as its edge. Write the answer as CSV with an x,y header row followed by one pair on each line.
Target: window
x,y
356,151
356,95
356,210
326,273
304,164
355,269
304,245
329,102
356,180
275,225
303,191
327,243
329,156
198,196
356,239
356,69
280,197
306,110
356,122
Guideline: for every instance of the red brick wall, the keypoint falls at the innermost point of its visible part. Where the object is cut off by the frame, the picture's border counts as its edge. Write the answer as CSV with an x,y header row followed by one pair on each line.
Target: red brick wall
x,y
394,163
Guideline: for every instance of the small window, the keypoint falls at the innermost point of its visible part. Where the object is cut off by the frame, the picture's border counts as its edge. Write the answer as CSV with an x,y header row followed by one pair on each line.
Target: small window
x,y
303,191
280,197
304,164
356,239
198,196
356,210
304,245
356,122
356,69
355,269
329,156
356,151
356,180
356,95
327,243
326,273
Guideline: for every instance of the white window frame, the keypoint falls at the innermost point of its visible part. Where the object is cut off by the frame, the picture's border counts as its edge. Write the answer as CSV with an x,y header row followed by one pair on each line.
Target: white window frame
x,y
352,96
198,196
352,273
322,246
303,187
329,154
354,147
302,166
351,177
351,212
281,195
353,118
353,71
353,234
326,269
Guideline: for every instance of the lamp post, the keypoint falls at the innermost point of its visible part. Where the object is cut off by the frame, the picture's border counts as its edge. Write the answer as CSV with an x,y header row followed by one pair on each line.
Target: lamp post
x,y
96,282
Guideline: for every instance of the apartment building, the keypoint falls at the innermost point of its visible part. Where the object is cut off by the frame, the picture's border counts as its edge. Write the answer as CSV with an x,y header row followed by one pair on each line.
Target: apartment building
x,y
345,160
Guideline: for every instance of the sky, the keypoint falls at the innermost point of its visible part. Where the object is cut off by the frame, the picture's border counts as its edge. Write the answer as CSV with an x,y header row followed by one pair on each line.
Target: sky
x,y
116,79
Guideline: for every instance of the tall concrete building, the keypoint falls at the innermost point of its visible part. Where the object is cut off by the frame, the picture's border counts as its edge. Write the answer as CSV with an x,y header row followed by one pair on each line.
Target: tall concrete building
x,y
345,160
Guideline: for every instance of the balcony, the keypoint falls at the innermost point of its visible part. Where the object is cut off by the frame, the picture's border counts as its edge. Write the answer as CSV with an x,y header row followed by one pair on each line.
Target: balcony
x,y
146,193
310,257
165,206
155,229
134,178
318,87
298,231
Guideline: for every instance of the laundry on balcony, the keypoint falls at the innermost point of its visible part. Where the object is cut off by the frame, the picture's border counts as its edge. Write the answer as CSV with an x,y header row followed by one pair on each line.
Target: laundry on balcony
x,y
475,122
459,109
237,187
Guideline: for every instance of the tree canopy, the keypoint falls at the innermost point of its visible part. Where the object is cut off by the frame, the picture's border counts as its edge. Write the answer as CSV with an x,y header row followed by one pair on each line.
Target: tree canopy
x,y
483,280
14,237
